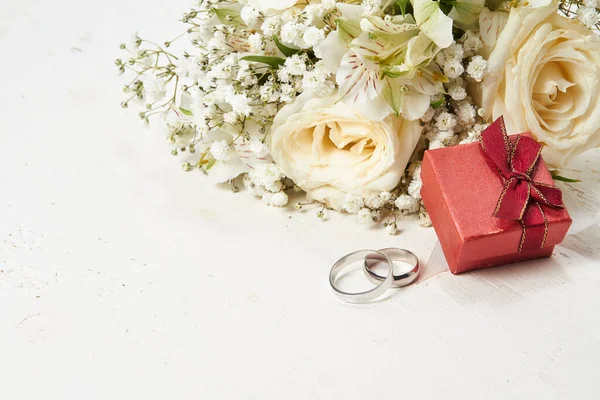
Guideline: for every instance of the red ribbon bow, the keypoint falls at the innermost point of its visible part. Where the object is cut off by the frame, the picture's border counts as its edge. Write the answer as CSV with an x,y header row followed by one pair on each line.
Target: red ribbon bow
x,y
522,199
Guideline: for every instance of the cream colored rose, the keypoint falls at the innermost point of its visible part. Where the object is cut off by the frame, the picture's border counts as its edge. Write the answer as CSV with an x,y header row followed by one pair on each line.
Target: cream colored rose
x,y
544,77
330,150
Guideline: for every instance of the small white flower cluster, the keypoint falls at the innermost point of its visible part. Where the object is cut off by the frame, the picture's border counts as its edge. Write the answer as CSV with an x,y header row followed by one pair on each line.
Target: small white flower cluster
x,y
405,200
246,60
587,14
296,76
454,119
267,181
461,57
217,91
301,28
367,210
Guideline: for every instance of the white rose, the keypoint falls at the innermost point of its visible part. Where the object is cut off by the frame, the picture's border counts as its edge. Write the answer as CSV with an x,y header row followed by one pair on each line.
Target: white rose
x,y
330,150
544,77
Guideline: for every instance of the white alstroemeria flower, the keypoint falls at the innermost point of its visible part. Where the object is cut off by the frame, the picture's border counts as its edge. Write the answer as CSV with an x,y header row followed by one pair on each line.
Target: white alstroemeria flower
x,y
258,147
433,22
232,167
331,50
335,46
378,75
491,24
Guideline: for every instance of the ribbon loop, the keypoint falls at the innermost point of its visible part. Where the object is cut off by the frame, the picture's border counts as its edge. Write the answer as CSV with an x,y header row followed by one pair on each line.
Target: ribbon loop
x,y
522,199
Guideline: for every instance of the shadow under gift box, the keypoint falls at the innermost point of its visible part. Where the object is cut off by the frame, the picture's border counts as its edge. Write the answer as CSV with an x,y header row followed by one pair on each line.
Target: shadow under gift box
x,y
460,192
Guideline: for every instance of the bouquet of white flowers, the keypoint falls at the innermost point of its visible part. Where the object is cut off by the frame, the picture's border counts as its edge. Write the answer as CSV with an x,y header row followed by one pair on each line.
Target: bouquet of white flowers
x,y
339,99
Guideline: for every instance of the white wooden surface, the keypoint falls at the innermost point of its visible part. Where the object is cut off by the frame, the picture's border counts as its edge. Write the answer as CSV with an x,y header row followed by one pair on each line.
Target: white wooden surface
x,y
121,277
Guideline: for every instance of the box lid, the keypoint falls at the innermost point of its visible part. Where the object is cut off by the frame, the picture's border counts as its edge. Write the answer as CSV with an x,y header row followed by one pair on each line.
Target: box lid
x,y
470,187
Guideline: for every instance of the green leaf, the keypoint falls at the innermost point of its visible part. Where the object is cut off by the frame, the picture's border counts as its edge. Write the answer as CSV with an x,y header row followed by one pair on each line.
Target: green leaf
x,y
557,177
186,112
394,94
285,50
262,78
274,62
395,71
402,5
446,7
439,103
466,12
228,16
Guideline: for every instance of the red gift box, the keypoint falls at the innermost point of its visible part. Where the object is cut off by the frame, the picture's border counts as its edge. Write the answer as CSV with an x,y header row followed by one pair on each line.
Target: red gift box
x,y
463,189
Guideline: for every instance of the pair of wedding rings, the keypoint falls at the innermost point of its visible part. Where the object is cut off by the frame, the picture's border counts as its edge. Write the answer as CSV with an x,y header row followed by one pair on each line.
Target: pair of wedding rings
x,y
370,259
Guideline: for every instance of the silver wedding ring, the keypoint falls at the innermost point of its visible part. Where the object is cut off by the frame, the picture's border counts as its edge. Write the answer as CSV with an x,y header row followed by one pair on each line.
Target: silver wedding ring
x,y
401,277
361,255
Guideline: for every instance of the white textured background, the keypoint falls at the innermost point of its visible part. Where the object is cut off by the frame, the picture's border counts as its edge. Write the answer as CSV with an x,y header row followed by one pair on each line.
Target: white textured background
x,y
121,277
